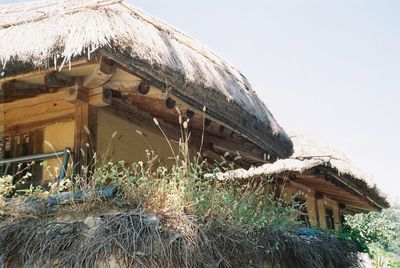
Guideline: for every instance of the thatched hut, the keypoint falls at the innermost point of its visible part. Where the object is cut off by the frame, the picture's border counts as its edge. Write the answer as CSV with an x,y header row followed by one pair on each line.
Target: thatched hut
x,y
73,72
322,178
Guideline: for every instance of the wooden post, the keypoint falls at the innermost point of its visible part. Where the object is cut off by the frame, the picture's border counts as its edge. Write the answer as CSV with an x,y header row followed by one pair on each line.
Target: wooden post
x,y
322,213
86,101
93,111
37,148
336,217
2,140
312,210
81,137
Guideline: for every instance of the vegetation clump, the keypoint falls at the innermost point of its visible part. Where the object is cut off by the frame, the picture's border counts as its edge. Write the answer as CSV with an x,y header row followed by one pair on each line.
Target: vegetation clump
x,y
378,234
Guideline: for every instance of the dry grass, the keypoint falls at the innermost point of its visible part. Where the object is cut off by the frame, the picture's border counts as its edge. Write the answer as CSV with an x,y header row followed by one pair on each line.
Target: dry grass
x,y
138,239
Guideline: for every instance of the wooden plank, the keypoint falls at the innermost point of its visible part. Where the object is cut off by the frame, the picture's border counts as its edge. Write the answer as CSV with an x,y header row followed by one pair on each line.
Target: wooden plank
x,y
40,113
39,124
45,98
37,112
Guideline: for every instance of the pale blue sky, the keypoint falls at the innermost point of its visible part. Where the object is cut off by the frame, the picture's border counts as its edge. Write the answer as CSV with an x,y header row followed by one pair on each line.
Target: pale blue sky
x,y
326,68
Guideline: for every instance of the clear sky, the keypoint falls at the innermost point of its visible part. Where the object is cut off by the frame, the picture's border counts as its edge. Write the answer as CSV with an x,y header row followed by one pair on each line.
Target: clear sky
x,y
326,68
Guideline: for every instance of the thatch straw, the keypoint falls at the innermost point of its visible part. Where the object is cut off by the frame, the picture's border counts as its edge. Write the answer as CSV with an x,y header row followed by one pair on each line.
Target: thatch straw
x,y
310,152
136,239
38,34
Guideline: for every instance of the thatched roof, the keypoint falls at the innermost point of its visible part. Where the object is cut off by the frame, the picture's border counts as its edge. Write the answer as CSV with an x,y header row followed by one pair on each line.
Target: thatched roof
x,y
309,153
46,33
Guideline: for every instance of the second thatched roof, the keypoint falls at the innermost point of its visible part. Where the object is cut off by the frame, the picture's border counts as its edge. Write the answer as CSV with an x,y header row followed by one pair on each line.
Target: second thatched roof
x,y
309,153
45,34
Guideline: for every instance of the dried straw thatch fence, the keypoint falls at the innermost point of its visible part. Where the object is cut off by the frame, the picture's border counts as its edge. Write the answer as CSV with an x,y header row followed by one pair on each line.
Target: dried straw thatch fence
x,y
137,239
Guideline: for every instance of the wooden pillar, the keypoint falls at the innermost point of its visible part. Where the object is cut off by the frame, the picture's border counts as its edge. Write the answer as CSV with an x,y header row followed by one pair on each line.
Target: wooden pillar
x,y
312,210
37,148
93,111
81,137
336,217
322,213
2,140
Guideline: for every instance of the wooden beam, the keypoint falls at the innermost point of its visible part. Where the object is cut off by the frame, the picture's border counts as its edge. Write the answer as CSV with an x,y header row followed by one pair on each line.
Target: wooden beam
x,y
76,93
39,73
189,114
207,122
142,119
40,124
103,72
144,88
14,90
134,87
170,103
100,97
306,190
228,145
57,79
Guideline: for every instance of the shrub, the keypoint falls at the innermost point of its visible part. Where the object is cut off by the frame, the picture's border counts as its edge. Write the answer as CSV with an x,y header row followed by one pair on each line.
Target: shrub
x,y
377,233
165,190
